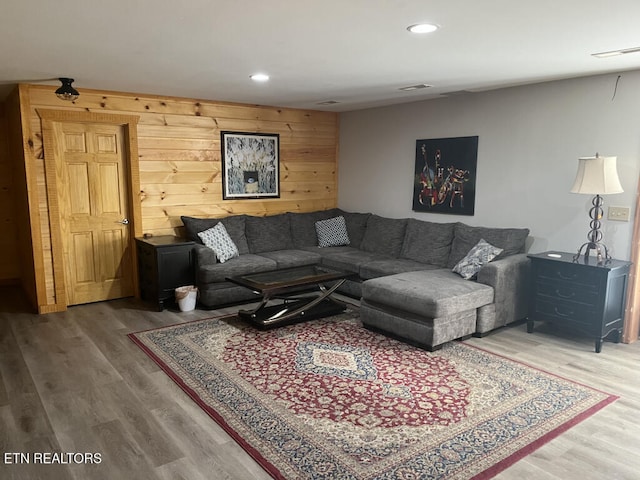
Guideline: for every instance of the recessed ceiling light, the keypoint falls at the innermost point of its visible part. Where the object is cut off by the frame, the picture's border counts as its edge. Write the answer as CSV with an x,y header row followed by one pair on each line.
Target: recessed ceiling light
x,y
613,53
422,28
259,77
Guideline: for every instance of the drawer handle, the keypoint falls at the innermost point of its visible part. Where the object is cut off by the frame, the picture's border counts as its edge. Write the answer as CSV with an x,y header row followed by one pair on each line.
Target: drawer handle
x,y
561,295
566,277
562,314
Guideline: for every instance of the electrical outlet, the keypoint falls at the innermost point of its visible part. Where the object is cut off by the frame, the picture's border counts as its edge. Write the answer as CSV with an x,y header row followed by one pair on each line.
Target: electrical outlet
x,y
619,213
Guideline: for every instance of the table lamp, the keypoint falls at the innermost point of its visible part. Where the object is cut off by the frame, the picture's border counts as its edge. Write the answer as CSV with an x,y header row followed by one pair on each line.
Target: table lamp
x,y
596,176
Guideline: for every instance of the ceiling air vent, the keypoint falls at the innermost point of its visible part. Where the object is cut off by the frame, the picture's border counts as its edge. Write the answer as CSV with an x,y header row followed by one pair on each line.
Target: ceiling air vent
x,y
411,88
328,102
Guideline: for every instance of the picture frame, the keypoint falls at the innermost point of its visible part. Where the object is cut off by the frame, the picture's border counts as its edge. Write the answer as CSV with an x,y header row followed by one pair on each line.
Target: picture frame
x,y
445,175
250,165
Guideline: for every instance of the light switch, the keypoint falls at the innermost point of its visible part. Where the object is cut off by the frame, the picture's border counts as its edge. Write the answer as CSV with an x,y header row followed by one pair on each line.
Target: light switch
x,y
619,213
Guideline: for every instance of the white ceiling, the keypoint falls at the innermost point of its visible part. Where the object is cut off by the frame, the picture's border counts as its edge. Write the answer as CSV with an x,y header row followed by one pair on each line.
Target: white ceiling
x,y
356,52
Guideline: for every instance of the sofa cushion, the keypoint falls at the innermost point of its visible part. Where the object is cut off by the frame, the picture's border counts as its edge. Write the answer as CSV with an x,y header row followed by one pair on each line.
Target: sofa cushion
x,y
380,268
292,258
384,235
356,226
235,226
332,232
303,232
193,226
241,265
326,251
477,258
434,293
267,234
351,261
511,240
218,240
428,242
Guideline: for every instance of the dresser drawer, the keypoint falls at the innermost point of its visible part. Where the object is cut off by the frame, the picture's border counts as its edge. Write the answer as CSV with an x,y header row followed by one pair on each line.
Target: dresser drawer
x,y
562,311
569,273
568,292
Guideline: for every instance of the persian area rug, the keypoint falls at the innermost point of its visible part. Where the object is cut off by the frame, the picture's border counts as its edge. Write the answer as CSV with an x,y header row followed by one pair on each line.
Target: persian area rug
x,y
328,399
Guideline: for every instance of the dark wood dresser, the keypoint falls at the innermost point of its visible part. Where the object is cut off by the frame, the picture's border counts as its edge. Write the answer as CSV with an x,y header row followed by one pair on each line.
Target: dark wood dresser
x,y
580,295
164,263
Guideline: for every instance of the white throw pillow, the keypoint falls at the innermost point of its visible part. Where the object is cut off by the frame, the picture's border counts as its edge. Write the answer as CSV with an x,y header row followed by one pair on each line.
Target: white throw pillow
x,y
481,254
332,232
217,239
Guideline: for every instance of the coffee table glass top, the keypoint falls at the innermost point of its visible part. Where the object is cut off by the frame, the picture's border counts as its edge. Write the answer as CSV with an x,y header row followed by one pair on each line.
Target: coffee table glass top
x,y
287,278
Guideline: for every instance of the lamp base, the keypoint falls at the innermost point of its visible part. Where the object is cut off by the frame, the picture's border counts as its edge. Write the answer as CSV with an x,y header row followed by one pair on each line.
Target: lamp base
x,y
600,248
595,235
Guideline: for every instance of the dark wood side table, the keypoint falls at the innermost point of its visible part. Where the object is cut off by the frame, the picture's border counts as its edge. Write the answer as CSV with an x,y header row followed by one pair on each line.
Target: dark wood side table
x,y
581,295
164,263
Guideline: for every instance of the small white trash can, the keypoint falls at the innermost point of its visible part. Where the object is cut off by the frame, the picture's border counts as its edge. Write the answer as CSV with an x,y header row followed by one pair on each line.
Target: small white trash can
x,y
186,297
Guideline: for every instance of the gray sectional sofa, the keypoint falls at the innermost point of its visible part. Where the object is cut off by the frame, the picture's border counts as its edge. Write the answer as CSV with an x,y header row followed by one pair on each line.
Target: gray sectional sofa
x,y
403,267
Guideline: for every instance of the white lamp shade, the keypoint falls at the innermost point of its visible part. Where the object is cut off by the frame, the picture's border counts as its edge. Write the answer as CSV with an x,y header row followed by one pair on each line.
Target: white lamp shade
x,y
597,176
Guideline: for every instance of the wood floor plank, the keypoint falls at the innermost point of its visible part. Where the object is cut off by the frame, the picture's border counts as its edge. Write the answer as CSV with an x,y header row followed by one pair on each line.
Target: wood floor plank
x,y
72,381
135,418
200,435
122,456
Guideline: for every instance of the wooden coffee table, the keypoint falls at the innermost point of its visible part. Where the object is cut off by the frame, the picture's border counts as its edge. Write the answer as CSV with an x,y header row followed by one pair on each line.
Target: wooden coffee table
x,y
293,294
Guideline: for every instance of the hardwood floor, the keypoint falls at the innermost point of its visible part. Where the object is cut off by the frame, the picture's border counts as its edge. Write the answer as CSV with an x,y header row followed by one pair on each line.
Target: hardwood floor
x,y
74,382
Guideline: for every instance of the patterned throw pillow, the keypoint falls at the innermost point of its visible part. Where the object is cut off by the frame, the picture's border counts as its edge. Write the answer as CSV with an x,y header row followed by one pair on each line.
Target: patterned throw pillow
x,y
332,232
218,240
481,254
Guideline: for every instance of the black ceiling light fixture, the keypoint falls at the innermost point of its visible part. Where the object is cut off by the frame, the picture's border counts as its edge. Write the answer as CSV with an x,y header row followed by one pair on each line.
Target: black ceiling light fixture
x,y
66,91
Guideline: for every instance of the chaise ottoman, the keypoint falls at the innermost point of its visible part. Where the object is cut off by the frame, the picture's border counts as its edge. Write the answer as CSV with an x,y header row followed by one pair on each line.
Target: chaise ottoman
x,y
426,308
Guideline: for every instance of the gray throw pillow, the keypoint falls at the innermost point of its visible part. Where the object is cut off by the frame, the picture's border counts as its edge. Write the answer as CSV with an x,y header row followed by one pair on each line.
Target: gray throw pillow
x,y
234,224
481,254
218,240
511,240
332,232
303,232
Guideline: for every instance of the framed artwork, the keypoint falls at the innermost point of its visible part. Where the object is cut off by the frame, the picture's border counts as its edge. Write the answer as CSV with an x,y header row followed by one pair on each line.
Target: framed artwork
x,y
445,175
250,165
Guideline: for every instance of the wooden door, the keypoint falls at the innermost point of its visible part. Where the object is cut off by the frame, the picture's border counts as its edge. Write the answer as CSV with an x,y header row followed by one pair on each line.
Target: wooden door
x,y
94,211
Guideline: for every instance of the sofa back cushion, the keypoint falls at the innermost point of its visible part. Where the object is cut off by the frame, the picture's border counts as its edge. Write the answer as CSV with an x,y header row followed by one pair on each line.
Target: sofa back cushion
x,y
384,235
235,226
193,226
428,242
268,234
356,226
465,237
303,229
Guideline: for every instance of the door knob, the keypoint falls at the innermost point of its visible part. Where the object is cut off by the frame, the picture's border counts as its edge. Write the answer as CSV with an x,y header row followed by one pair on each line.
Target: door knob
x,y
124,221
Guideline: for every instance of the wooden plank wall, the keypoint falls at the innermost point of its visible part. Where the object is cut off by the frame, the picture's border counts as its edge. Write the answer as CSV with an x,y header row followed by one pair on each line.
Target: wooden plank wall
x,y
9,259
179,153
